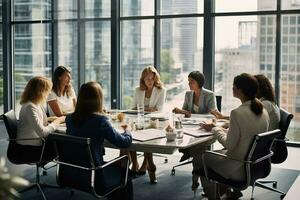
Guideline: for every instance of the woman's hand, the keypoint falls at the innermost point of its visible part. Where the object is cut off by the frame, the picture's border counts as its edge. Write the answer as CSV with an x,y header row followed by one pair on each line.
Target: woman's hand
x,y
207,126
179,111
59,120
218,115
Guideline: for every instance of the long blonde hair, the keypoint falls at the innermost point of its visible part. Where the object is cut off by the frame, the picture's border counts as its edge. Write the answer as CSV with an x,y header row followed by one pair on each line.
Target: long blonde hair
x,y
146,71
36,89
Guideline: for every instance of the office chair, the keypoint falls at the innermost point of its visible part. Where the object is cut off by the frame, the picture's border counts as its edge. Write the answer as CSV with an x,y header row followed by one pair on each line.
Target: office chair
x,y
219,107
280,149
13,151
76,167
257,163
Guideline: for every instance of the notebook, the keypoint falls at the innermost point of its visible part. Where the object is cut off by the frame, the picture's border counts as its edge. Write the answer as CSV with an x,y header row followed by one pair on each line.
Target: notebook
x,y
196,132
148,134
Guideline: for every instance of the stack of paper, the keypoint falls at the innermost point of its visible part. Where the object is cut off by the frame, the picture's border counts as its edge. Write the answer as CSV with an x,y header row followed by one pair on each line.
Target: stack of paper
x,y
196,132
148,134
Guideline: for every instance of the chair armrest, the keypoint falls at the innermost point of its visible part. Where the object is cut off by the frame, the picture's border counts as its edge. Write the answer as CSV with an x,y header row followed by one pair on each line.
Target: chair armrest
x,y
115,160
25,139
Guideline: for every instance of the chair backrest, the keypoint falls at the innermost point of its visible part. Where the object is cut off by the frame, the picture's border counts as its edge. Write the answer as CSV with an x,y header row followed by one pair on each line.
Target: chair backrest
x,y
75,161
279,147
11,123
285,120
260,155
219,102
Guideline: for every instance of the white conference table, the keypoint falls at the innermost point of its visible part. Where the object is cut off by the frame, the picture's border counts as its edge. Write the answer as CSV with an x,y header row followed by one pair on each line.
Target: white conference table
x,y
161,145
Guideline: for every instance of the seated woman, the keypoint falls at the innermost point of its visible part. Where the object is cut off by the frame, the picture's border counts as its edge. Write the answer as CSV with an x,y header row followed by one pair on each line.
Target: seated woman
x,y
33,120
89,121
239,136
266,95
199,100
62,99
152,95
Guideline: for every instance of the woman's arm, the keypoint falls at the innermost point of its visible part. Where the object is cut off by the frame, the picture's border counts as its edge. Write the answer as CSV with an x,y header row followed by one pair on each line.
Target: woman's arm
x,y
55,108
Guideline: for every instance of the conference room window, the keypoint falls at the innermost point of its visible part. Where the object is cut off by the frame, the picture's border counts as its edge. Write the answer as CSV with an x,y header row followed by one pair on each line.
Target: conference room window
x,y
137,43
97,56
181,51
96,8
1,66
181,7
136,8
289,94
245,5
66,9
29,10
33,59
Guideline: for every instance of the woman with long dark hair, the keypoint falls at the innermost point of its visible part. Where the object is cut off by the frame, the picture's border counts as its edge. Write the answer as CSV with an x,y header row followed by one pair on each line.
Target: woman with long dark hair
x,y
246,121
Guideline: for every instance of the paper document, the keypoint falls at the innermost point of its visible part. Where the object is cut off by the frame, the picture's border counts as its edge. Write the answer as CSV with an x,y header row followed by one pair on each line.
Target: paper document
x,y
161,116
133,112
148,134
196,132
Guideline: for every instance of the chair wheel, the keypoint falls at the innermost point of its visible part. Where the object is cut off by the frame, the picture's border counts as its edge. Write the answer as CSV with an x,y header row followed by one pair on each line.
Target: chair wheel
x,y
275,185
173,172
166,160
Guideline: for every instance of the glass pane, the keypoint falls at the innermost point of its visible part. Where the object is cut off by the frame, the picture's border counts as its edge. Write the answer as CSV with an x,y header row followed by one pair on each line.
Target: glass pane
x,y
31,54
137,52
97,56
243,44
172,7
1,70
67,49
97,8
1,10
66,9
25,10
290,72
290,5
181,53
137,8
245,5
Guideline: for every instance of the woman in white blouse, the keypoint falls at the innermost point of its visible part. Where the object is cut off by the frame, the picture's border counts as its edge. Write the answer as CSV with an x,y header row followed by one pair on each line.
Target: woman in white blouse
x,y
152,95
266,95
62,99
33,120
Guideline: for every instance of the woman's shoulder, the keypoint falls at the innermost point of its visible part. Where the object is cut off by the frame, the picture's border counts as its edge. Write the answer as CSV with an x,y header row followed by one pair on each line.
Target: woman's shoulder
x,y
207,91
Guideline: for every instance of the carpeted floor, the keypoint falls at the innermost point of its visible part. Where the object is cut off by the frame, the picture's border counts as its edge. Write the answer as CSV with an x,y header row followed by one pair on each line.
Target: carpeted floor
x,y
177,187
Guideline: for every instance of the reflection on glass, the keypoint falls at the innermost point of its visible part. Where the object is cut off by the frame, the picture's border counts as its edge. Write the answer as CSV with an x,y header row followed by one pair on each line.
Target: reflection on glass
x,y
32,55
68,49
243,44
290,72
173,7
97,56
137,8
97,8
245,5
66,9
137,43
290,5
181,53
24,10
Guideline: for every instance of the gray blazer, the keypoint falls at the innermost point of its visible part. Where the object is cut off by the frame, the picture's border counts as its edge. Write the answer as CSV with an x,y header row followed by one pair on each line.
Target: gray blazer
x,y
244,125
207,102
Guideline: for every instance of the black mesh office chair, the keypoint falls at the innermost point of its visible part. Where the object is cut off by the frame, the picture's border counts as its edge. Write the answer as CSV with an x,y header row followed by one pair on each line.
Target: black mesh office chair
x,y
257,163
279,148
76,167
219,107
14,151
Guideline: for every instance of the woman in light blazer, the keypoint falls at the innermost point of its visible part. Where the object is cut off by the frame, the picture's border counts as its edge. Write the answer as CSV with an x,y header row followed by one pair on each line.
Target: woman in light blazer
x,y
152,95
246,121
266,95
199,100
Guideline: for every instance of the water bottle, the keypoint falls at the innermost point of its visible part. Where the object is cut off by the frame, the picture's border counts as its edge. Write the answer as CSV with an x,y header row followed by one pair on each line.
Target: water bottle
x,y
178,129
140,116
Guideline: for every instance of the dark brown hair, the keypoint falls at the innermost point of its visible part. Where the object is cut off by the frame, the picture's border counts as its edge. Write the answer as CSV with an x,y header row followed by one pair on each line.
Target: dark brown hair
x,y
58,72
249,85
198,77
90,100
265,88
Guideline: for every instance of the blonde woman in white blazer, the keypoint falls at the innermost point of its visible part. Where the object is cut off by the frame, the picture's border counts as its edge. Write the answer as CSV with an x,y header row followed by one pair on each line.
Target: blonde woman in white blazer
x,y
33,120
246,121
152,95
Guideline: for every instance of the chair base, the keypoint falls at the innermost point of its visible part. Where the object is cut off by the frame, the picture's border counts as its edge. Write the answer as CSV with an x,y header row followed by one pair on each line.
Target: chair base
x,y
181,164
262,185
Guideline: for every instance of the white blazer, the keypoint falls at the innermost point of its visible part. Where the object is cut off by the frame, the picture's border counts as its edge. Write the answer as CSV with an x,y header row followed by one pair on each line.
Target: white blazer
x,y
244,125
157,98
33,124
